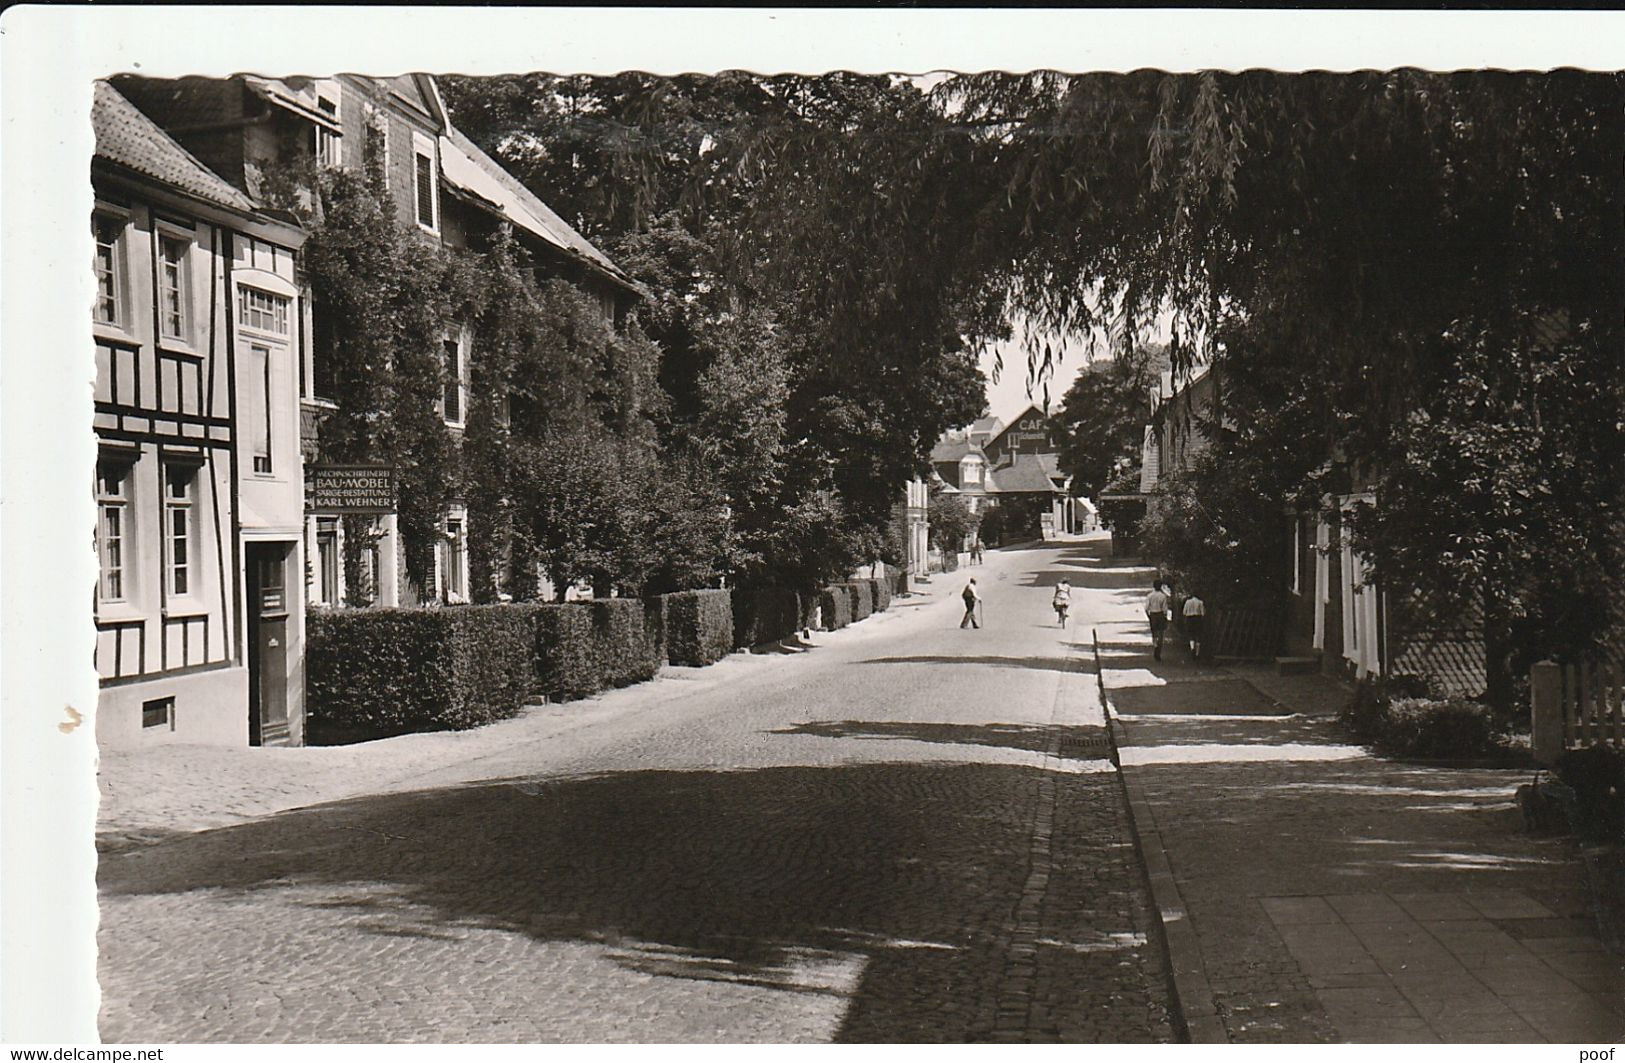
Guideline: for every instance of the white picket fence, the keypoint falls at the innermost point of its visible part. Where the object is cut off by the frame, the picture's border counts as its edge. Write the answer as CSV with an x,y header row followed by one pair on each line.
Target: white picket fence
x,y
1575,705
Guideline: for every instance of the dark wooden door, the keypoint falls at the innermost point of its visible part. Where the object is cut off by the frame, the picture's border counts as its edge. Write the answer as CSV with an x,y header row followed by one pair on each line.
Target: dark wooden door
x,y
267,565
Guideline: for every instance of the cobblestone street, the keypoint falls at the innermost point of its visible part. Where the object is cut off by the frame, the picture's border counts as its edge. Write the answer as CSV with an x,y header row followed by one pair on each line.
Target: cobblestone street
x,y
909,833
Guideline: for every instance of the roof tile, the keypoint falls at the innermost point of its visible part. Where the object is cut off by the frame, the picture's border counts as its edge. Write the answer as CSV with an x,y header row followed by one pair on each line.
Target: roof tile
x,y
129,138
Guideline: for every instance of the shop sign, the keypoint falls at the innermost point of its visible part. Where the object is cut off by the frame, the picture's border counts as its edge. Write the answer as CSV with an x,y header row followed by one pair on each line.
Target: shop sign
x,y
352,488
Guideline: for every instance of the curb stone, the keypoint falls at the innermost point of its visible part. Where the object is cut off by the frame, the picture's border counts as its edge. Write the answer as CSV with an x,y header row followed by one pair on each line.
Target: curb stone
x,y
1193,1001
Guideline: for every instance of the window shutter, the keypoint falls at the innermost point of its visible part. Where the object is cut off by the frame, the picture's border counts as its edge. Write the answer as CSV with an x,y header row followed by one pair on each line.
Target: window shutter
x,y
425,190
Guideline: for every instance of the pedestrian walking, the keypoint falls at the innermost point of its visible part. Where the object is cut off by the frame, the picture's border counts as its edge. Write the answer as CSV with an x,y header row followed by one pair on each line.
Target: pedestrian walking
x,y
973,598
976,551
1195,612
1063,601
1157,614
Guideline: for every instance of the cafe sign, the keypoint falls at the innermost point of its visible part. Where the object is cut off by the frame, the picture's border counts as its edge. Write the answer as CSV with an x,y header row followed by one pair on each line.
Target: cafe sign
x,y
352,488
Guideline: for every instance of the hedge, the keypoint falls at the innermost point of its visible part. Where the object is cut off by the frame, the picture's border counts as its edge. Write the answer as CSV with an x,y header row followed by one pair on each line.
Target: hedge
x,y
836,603
377,672
764,614
881,588
863,598
625,648
699,626
1432,728
567,664
654,622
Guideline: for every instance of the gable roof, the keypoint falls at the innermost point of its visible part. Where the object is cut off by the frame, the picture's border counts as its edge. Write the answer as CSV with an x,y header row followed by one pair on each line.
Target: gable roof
x,y
467,167
130,139
1028,473
988,426
951,448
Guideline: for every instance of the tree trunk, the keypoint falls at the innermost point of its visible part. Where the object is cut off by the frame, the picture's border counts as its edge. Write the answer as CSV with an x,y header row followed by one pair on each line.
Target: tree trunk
x,y
1498,678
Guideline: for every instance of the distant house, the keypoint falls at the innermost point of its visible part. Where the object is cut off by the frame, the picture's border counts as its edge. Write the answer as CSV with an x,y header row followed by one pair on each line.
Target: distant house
x,y
993,462
912,518
1028,433
1333,609
199,481
961,468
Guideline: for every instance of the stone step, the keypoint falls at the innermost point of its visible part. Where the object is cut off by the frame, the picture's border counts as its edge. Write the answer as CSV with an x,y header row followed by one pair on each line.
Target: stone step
x,y
1297,665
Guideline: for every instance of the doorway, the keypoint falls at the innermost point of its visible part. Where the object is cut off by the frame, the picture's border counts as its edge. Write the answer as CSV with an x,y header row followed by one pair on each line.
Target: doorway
x,y
267,571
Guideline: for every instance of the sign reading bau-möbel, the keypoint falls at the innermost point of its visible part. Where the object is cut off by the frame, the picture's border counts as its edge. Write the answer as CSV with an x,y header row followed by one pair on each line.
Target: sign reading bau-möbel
x,y
352,488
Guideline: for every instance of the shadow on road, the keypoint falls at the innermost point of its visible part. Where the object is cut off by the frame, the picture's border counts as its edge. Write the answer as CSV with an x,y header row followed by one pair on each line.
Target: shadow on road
x,y
1082,665
1073,742
906,876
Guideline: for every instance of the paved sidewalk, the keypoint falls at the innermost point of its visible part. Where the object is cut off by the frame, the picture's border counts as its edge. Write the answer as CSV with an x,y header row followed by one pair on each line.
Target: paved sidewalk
x,y
1329,895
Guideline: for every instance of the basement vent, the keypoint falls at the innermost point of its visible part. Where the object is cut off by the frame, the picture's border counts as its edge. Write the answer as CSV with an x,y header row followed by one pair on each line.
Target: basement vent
x,y
160,712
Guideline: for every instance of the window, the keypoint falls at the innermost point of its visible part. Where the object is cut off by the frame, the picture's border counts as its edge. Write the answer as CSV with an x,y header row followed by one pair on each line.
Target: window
x,y
257,405
456,560
173,287
178,528
325,146
454,386
112,529
109,232
262,311
424,188
327,559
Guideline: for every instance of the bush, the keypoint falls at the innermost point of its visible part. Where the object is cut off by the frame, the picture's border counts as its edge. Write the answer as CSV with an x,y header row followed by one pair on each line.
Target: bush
x,y
764,614
699,626
567,664
863,598
836,604
1454,727
1597,777
623,645
1430,728
377,672
881,589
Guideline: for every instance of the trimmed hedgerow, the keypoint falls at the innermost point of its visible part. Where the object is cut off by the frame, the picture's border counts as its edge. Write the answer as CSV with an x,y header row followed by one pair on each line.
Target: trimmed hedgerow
x,y
624,645
764,614
377,672
863,598
699,626
836,603
654,621
882,592
567,664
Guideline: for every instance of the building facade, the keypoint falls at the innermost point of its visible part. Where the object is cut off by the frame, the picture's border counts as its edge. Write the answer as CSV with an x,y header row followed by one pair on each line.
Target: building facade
x,y
444,189
199,479
991,462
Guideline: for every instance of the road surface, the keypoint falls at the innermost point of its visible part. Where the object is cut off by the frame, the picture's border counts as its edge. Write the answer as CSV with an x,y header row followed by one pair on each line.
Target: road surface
x,y
908,833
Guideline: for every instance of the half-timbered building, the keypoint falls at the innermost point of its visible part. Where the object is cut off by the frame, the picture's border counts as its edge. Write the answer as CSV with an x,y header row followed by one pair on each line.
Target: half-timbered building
x,y
198,477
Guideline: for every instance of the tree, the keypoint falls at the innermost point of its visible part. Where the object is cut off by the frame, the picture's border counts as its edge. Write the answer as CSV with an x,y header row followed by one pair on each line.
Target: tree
x,y
1103,416
951,522
1364,234
584,502
687,160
